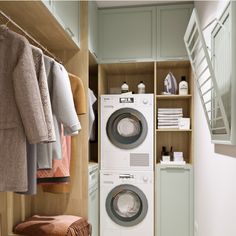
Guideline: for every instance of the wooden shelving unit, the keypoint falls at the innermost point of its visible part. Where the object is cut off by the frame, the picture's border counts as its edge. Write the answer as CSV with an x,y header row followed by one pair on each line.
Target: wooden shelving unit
x,y
180,140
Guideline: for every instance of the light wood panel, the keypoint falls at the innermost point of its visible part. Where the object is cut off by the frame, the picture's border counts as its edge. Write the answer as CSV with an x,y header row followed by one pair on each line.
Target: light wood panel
x,y
170,97
129,68
102,82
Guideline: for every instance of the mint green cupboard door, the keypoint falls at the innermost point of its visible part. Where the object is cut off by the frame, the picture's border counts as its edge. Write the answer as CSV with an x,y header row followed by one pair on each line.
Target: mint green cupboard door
x,y
93,28
171,25
174,200
67,14
127,34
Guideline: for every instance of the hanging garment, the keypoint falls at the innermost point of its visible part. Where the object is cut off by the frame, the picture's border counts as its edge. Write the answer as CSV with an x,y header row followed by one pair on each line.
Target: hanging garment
x,y
21,111
60,172
63,112
44,91
92,100
31,148
79,97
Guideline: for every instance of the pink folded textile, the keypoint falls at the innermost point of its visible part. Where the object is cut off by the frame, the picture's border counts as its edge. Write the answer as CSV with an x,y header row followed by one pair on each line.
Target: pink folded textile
x,y
62,225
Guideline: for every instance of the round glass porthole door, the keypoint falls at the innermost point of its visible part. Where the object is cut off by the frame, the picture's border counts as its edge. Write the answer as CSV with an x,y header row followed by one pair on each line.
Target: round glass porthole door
x,y
126,205
127,128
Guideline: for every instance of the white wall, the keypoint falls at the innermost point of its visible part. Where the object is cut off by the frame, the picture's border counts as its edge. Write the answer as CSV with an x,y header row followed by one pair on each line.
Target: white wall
x,y
215,165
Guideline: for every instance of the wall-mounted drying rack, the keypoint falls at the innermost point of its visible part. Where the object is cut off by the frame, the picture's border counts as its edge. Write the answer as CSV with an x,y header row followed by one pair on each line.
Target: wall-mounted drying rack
x,y
215,96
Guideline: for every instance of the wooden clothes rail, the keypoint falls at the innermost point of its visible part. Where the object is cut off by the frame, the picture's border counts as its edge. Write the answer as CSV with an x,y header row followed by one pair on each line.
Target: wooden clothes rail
x,y
45,50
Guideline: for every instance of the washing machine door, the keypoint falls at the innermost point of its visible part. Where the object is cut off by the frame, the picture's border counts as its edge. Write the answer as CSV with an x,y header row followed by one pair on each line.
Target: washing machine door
x,y
127,128
126,205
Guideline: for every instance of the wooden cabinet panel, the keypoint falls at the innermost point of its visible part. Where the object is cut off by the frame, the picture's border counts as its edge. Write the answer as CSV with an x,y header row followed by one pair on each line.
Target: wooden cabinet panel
x,y
127,34
172,22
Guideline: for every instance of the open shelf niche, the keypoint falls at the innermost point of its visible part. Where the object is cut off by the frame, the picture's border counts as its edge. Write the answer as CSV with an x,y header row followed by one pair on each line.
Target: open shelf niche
x,y
112,76
180,140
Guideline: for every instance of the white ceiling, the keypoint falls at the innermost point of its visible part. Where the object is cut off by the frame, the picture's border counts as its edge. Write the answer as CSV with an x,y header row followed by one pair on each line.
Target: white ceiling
x,y
122,3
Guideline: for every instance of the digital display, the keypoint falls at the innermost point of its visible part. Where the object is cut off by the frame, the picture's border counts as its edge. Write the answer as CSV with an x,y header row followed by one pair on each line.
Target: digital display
x,y
126,100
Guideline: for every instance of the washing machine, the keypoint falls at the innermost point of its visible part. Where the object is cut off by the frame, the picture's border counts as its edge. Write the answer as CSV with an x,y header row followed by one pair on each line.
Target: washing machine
x,y
127,132
126,203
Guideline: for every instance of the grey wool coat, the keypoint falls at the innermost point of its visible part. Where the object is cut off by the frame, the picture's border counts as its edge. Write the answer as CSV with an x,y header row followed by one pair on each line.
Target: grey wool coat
x,y
21,111
45,97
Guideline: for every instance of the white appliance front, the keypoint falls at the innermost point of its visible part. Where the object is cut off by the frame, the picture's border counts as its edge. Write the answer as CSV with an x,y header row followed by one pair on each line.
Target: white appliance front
x,y
127,132
126,203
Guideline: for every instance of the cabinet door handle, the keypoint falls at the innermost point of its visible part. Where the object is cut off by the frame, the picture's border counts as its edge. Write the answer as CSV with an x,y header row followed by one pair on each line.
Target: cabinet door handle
x,y
69,31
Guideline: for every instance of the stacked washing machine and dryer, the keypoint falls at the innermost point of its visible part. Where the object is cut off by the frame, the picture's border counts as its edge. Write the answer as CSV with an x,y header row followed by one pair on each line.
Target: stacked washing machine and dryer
x,y
126,173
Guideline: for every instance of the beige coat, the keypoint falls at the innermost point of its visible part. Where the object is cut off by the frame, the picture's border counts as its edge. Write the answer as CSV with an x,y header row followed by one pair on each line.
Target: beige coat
x,y
21,111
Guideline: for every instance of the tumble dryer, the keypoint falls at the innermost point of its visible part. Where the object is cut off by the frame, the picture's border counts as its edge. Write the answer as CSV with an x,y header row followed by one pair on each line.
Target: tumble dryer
x,y
127,132
126,203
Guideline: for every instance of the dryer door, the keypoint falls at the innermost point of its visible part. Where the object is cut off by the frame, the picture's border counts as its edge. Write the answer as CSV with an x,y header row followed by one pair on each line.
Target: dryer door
x,y
127,128
126,205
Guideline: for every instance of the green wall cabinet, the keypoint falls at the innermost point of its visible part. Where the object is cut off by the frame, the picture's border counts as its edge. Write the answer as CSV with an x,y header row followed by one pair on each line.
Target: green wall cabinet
x,y
93,28
174,200
143,33
67,14
172,22
127,34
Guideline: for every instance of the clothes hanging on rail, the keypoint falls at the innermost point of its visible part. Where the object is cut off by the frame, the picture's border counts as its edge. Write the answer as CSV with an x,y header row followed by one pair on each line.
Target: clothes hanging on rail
x,y
44,92
21,110
79,97
64,109
63,112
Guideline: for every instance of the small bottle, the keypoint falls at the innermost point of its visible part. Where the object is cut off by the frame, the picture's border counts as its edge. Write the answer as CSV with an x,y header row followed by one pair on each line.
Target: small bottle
x,y
163,151
183,86
141,87
171,154
124,88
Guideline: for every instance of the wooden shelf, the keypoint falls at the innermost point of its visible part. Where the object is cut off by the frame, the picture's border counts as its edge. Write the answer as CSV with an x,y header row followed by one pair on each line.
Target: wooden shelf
x,y
35,18
169,97
173,130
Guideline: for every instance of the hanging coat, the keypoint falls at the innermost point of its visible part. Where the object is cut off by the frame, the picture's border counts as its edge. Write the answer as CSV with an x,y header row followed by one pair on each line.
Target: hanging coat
x,y
44,92
79,97
21,112
63,112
